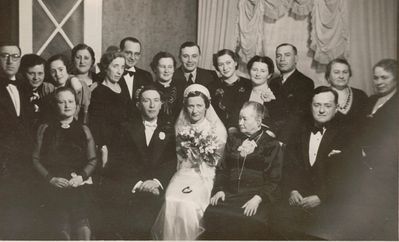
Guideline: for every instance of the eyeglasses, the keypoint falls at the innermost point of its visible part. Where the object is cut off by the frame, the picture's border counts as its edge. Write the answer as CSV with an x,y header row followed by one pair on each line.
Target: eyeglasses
x,y
12,57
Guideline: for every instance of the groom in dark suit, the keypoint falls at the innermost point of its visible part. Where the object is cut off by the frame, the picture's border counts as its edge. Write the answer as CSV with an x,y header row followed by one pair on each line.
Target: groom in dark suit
x,y
141,164
133,78
318,174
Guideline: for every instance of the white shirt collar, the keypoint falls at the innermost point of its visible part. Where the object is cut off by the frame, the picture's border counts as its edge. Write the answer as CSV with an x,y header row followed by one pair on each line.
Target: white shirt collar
x,y
286,75
165,84
187,74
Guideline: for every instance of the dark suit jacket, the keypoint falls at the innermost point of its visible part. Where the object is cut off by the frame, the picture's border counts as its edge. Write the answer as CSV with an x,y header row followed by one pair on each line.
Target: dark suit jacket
x,y
141,78
204,77
15,139
130,160
320,178
292,102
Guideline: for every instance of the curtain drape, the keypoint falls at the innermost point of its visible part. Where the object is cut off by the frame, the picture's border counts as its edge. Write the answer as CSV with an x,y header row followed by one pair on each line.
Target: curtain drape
x,y
372,27
217,20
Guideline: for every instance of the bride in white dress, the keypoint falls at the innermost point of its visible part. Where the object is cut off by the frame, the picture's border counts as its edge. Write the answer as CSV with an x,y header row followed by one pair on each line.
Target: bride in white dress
x,y
189,191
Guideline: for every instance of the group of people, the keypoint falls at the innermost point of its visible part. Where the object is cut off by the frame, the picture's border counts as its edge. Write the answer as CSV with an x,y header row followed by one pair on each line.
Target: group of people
x,y
194,153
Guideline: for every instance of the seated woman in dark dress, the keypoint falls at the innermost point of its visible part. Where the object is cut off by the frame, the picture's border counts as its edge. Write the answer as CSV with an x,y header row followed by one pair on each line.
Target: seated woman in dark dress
x,y
65,157
231,91
351,101
247,182
108,106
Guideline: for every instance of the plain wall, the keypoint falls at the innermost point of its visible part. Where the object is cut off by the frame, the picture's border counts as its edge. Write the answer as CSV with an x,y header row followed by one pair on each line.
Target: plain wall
x,y
161,25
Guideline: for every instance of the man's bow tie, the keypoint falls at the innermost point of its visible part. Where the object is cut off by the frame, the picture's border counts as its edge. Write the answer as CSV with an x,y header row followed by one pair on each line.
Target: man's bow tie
x,y
150,124
7,82
131,73
316,129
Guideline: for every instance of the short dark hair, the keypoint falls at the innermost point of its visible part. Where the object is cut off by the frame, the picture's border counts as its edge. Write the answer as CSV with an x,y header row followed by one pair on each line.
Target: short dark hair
x,y
260,110
145,88
231,53
132,39
7,43
323,89
31,60
389,65
337,60
288,44
108,57
162,54
60,57
189,44
83,47
262,59
198,94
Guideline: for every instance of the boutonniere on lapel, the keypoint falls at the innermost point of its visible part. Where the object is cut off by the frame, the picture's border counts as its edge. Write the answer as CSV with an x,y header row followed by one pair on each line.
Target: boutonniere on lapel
x,y
242,89
334,152
161,135
247,147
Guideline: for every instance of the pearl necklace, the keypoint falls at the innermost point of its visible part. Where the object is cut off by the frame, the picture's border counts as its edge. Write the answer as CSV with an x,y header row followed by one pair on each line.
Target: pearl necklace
x,y
343,109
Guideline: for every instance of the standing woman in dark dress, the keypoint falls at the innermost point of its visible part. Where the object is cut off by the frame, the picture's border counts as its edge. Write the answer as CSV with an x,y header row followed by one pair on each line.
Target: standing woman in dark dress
x,y
351,101
231,91
247,182
163,65
65,157
108,108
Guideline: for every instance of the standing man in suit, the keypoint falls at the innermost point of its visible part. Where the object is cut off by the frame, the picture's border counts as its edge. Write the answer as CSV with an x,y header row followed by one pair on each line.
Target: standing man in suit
x,y
189,72
15,146
141,164
313,168
133,78
293,91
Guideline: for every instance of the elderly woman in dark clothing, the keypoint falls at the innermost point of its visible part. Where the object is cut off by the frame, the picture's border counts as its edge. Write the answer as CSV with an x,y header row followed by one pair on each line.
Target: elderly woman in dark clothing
x,y
247,182
231,91
64,155
351,101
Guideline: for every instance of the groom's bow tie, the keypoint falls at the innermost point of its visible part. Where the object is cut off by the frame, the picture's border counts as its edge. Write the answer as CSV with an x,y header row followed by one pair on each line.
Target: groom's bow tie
x,y
150,124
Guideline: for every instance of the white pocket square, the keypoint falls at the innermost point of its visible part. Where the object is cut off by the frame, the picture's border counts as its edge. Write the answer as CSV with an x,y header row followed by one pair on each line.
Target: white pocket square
x,y
334,152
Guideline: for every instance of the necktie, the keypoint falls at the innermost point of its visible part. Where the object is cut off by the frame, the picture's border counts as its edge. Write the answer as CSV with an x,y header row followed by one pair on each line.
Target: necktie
x,y
316,129
190,80
131,73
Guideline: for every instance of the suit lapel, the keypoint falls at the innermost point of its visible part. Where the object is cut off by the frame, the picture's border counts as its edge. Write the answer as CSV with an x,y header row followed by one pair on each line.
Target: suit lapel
x,y
326,144
6,101
156,145
305,139
136,132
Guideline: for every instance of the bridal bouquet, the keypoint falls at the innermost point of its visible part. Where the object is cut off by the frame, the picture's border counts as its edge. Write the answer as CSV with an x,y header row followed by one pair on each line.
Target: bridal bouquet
x,y
198,146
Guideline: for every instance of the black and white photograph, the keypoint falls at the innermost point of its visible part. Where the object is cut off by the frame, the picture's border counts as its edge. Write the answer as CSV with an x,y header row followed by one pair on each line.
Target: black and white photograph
x,y
199,120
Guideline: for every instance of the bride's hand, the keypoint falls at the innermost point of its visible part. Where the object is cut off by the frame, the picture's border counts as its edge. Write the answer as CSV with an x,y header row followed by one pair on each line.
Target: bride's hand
x,y
252,205
216,197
